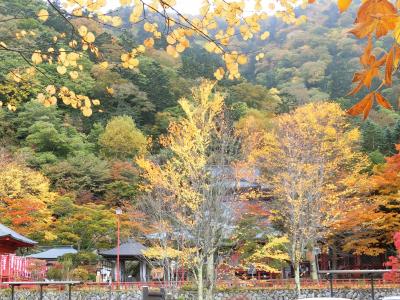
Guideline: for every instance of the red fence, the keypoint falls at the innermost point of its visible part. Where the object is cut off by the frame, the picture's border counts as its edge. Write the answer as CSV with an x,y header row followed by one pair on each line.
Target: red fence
x,y
19,268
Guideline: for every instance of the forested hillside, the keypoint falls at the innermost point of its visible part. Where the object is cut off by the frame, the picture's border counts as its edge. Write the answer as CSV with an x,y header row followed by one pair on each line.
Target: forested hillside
x,y
74,169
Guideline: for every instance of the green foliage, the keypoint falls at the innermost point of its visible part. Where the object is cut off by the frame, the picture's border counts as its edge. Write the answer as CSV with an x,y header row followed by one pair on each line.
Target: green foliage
x,y
80,173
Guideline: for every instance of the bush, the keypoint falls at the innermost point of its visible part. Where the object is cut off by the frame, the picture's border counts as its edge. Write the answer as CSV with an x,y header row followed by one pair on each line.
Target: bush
x,y
54,273
80,273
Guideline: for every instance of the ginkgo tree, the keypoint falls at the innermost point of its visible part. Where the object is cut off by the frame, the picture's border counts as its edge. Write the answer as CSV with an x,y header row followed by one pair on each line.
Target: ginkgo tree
x,y
310,160
187,195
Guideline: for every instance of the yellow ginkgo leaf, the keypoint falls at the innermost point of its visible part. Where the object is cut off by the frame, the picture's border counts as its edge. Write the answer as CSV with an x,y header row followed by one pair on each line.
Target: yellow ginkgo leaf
x,y
89,37
110,90
96,102
43,15
343,5
141,49
37,57
242,59
265,35
61,69
180,47
148,43
171,40
104,65
51,89
86,111
74,75
83,30
219,73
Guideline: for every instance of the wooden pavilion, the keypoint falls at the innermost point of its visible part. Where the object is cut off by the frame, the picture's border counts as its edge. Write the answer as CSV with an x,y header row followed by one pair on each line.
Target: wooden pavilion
x,y
129,252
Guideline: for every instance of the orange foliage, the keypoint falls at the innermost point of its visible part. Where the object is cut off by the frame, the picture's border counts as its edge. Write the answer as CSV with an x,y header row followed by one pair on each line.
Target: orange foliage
x,y
374,18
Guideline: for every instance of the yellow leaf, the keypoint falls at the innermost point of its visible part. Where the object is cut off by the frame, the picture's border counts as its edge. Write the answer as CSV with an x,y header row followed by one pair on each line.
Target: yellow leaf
x,y
148,43
104,65
141,49
86,111
51,89
242,59
210,46
36,57
171,40
265,35
61,69
89,37
125,2
43,15
110,90
74,74
343,5
96,102
180,48
82,30
219,73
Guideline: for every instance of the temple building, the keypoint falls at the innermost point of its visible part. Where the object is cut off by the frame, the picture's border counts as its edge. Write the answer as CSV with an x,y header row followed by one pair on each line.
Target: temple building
x,y
11,241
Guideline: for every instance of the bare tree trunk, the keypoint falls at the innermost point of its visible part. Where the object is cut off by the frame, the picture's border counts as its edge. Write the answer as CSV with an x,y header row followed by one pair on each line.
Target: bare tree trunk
x,y
210,277
296,267
334,256
200,281
314,267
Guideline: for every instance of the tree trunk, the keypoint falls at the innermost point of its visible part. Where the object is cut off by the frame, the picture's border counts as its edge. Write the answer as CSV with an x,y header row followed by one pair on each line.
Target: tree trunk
x,y
200,282
296,267
334,257
210,277
314,267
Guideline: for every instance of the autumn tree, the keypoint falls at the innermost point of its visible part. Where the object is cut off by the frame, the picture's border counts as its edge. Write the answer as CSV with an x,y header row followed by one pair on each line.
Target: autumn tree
x,y
188,193
25,197
307,159
257,241
122,139
369,228
87,226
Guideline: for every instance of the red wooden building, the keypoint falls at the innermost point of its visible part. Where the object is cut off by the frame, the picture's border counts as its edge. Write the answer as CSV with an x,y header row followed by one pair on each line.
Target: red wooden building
x,y
10,241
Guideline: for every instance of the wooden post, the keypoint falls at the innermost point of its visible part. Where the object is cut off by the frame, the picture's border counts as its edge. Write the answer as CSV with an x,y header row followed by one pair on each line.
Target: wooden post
x,y
372,287
69,291
41,292
331,283
12,292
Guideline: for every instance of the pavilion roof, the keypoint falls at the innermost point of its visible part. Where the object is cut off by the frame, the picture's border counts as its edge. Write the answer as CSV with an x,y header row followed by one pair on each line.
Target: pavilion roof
x,y
54,253
130,248
8,232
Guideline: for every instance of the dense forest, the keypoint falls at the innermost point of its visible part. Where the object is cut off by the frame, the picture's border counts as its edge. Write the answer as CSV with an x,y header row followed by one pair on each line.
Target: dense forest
x,y
68,171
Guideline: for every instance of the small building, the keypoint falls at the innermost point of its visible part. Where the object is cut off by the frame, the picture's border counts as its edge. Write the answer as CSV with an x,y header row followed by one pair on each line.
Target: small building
x,y
131,259
53,254
11,241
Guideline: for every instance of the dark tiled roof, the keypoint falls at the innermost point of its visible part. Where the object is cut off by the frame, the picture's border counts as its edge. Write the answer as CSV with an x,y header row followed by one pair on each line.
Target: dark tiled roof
x,y
129,249
54,253
5,231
